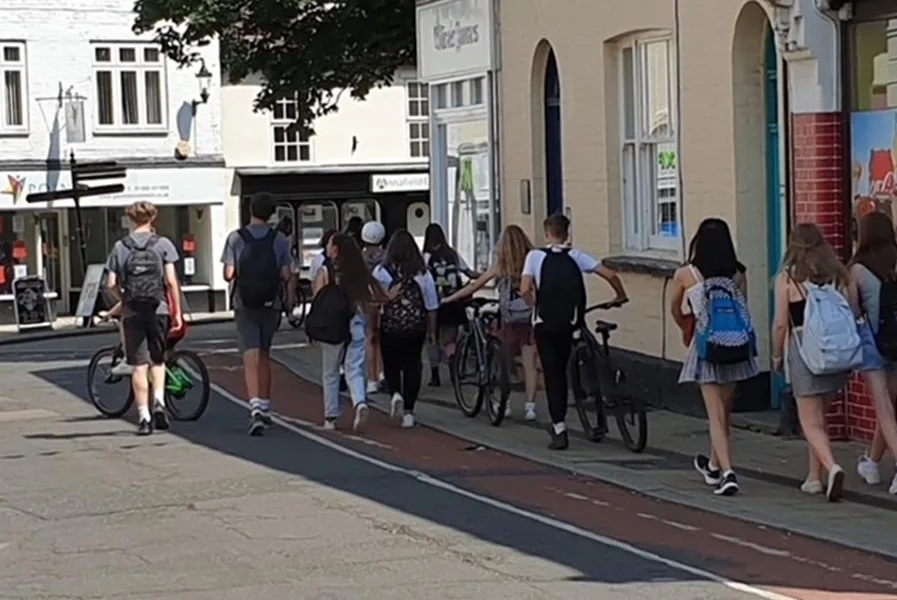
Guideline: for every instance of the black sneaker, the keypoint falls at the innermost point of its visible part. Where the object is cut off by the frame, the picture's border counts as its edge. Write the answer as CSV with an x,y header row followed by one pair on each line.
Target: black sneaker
x,y
160,419
702,466
145,427
435,381
257,424
728,485
559,441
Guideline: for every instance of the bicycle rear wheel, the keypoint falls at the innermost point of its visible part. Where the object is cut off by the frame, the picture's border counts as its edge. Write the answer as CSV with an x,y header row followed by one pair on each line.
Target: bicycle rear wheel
x,y
185,373
629,412
301,299
498,386
586,397
107,395
465,371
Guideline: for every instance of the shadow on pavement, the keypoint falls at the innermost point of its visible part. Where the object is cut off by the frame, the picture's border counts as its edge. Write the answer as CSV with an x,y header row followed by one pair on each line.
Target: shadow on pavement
x,y
223,428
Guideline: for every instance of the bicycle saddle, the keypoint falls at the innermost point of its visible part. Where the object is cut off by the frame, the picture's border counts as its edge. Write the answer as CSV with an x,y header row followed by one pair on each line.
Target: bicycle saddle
x,y
604,327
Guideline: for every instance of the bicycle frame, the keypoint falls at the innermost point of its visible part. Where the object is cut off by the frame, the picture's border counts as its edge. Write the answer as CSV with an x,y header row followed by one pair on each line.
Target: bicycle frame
x,y
476,326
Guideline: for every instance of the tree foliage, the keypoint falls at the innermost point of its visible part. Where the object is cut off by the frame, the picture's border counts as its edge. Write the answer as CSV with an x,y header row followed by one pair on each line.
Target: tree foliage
x,y
316,49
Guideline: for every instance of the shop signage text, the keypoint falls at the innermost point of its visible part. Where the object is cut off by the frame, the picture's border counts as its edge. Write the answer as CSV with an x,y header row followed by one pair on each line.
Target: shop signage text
x,y
400,182
454,38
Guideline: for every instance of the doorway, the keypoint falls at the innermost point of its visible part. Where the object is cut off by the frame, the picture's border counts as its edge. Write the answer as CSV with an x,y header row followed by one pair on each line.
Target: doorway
x,y
554,167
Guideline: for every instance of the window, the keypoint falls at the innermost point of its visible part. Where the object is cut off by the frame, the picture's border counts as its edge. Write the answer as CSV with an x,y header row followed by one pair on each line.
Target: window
x,y
130,87
290,144
12,96
650,169
874,65
418,119
476,91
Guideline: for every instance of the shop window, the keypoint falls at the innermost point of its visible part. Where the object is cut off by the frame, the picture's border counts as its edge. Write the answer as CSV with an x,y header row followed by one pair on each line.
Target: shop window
x,y
130,86
874,61
13,111
314,220
368,210
418,119
290,143
650,170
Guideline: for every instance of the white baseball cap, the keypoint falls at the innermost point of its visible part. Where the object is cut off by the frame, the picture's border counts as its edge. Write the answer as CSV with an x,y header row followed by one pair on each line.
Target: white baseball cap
x,y
373,232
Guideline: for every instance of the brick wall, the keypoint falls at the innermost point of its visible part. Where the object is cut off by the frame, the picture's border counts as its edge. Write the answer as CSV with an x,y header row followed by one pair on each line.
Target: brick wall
x,y
818,197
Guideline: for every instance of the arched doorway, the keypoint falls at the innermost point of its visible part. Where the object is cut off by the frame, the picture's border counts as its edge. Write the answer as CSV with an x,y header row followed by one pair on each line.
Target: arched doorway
x,y
554,166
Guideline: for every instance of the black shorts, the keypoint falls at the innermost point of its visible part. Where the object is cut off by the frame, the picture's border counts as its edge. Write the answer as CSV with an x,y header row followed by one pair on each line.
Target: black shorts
x,y
451,315
146,339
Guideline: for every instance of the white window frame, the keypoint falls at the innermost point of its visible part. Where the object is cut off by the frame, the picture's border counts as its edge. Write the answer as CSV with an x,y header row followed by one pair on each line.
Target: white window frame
x,y
303,139
141,67
420,99
638,189
20,66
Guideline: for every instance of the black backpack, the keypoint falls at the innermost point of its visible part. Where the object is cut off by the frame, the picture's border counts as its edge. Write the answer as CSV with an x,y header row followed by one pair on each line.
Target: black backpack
x,y
446,275
405,315
258,273
330,314
561,293
886,335
143,275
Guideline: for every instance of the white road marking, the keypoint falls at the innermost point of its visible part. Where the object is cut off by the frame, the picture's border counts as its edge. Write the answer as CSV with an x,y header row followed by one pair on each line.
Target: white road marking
x,y
647,516
681,526
576,496
753,546
559,525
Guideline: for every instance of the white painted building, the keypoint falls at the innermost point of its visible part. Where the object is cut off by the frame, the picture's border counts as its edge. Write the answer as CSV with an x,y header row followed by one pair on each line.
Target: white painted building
x,y
370,160
76,79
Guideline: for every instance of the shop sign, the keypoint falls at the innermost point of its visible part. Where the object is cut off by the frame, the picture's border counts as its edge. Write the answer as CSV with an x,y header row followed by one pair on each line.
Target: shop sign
x,y
873,151
400,182
16,186
454,37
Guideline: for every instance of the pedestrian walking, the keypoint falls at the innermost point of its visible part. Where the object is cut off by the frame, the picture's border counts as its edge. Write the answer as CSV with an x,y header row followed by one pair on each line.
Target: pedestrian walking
x,y
516,315
372,236
346,296
321,257
552,281
408,320
812,271
258,265
142,275
872,273
721,350
446,267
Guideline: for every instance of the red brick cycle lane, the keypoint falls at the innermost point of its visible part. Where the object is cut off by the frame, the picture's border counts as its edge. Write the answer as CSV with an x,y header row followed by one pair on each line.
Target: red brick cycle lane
x,y
793,565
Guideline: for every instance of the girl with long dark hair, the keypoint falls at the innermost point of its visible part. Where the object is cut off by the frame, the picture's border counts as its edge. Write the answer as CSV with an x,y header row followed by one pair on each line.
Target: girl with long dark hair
x,y
446,266
872,267
711,255
809,260
346,269
407,321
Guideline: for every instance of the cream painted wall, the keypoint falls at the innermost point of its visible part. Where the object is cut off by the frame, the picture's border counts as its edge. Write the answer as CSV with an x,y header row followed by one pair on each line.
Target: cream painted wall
x,y
584,36
379,123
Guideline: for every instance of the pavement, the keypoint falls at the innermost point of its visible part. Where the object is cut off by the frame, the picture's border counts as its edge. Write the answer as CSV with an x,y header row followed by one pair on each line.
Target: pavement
x,y
88,510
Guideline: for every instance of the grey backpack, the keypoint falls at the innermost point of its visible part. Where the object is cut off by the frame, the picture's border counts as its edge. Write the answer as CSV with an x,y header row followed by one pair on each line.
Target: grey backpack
x,y
514,310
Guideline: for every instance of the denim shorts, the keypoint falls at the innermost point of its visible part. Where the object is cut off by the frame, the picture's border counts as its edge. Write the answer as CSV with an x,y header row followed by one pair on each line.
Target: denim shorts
x,y
872,358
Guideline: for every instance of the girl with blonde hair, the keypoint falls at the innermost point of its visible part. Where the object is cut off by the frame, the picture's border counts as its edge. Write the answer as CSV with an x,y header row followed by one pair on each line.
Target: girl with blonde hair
x,y
809,259
516,327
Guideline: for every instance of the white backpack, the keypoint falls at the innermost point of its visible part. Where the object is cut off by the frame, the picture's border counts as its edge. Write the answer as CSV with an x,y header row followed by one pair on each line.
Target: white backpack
x,y
829,342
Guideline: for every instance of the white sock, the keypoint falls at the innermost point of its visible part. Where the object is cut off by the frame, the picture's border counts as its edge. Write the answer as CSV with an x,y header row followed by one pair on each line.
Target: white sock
x,y
711,466
159,398
559,428
144,413
264,404
530,406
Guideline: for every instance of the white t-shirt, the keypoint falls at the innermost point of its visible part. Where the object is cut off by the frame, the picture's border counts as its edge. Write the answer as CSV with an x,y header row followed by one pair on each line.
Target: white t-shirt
x,y
425,281
532,265
462,264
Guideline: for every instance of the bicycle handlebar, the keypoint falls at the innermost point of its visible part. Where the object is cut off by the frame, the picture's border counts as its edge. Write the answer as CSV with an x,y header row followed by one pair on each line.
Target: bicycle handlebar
x,y
607,305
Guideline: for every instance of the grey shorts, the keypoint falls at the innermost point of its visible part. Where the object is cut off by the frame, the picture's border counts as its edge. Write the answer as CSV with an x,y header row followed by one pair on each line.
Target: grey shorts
x,y
256,328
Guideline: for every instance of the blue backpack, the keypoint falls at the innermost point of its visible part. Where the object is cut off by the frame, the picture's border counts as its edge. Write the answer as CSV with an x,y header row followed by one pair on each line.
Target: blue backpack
x,y
723,332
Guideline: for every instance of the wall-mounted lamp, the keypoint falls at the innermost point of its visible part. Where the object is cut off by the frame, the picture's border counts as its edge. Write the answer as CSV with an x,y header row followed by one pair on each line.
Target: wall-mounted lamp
x,y
204,77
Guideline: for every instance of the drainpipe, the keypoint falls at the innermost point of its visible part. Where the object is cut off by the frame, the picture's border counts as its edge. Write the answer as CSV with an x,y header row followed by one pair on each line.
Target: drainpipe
x,y
677,50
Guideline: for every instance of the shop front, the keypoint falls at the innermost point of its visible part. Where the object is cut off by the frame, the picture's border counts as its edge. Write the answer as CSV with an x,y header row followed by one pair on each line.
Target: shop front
x,y
315,199
41,239
457,58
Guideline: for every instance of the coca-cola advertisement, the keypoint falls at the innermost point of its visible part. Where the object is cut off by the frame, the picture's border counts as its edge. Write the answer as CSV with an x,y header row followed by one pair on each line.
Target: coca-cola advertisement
x,y
874,162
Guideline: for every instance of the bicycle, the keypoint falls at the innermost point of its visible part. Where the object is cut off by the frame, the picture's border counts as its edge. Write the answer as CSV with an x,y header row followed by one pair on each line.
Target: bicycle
x,y
478,341
178,382
599,386
301,303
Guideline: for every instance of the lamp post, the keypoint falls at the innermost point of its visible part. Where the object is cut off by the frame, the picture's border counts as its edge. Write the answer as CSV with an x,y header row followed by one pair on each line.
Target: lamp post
x,y
204,77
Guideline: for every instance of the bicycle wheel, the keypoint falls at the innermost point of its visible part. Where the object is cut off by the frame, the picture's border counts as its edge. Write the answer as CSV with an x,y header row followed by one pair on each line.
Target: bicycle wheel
x,y
185,373
497,387
629,412
110,398
301,299
586,397
466,371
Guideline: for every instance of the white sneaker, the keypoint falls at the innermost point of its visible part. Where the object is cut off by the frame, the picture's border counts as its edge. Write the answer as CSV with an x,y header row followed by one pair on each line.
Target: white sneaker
x,y
373,387
869,471
408,421
395,406
530,411
122,369
361,416
811,487
893,489
508,410
329,424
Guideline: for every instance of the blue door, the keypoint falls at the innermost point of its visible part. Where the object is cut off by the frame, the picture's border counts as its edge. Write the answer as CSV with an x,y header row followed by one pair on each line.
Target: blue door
x,y
554,169
774,195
